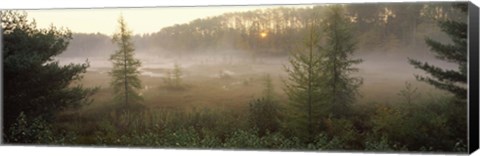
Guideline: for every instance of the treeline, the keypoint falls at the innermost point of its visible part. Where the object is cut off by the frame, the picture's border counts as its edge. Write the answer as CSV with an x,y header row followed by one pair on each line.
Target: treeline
x,y
377,25
278,31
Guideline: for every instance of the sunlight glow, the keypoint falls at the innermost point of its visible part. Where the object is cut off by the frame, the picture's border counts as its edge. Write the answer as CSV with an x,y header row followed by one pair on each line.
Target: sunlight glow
x,y
263,34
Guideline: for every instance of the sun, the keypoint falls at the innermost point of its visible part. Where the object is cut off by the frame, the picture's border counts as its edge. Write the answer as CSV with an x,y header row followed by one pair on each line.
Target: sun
x,y
263,34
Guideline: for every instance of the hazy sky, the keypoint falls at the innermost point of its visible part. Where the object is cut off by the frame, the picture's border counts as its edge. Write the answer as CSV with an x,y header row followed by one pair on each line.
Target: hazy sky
x,y
139,20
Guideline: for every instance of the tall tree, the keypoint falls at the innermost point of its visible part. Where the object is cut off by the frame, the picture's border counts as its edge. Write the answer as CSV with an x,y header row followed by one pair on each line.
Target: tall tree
x,y
303,85
125,71
33,82
339,88
453,81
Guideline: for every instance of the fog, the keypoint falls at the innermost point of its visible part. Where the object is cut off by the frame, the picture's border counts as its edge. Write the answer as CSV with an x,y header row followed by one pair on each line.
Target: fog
x,y
249,80
384,73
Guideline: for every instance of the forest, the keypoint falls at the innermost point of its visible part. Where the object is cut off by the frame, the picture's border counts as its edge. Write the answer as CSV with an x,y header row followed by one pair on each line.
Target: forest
x,y
379,77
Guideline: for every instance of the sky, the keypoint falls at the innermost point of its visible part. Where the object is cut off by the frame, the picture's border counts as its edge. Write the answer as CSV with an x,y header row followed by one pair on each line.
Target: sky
x,y
139,20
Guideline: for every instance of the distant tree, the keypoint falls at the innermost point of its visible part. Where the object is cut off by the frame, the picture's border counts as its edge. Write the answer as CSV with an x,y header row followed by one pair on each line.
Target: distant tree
x,y
125,71
33,82
338,87
409,93
173,78
177,75
303,85
453,81
268,92
168,80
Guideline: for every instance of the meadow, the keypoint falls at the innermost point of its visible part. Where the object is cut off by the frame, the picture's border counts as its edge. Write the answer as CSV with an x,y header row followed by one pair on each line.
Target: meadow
x,y
212,107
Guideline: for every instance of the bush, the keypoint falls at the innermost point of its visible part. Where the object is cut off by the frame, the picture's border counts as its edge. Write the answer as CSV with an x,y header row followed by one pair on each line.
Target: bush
x,y
36,131
243,139
264,116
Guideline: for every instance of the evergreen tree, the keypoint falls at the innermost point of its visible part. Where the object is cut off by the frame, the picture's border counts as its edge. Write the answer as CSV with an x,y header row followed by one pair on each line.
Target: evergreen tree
x,y
339,88
33,82
125,67
303,85
453,81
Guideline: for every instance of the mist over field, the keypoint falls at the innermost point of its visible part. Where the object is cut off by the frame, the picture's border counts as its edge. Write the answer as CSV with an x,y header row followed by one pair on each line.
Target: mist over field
x,y
384,72
373,77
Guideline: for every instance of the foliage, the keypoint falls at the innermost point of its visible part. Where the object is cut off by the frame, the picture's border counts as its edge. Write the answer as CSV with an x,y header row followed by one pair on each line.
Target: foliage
x,y
452,81
125,81
338,87
378,24
36,131
34,82
303,86
264,113
417,126
381,145
264,116
322,112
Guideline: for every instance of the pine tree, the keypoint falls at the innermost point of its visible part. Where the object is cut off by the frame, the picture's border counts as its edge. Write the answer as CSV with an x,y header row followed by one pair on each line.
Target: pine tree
x,y
125,71
303,85
453,81
33,82
339,88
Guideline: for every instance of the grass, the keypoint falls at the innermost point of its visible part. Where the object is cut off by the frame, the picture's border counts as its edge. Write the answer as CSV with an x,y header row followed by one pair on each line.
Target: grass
x,y
212,112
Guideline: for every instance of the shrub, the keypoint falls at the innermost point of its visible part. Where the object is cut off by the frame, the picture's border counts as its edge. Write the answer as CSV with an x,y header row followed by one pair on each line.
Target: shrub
x,y
36,131
264,116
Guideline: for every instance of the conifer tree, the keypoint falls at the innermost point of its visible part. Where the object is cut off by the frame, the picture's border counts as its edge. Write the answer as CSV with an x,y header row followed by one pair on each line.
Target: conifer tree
x,y
34,83
338,87
303,85
125,71
453,81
